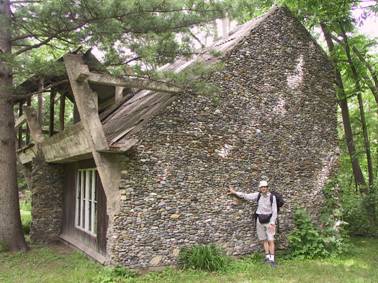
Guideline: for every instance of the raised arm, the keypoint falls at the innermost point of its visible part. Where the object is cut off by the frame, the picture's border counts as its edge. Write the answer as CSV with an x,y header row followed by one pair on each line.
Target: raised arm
x,y
249,197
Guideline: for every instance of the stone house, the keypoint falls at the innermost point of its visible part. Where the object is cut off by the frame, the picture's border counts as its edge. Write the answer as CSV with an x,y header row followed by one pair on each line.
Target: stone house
x,y
141,174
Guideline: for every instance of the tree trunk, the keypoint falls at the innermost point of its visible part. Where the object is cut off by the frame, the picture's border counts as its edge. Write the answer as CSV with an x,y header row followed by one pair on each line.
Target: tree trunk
x,y
11,236
373,85
356,79
357,172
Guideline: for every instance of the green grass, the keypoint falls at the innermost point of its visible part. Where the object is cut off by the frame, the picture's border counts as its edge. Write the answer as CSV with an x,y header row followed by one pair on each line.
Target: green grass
x,y
55,264
26,218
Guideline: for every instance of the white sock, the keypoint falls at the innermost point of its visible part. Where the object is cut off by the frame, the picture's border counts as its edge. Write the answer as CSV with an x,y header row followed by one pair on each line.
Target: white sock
x,y
271,257
267,256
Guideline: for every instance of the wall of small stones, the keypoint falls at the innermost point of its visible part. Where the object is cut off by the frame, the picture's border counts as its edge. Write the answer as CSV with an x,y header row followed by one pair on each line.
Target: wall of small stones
x,y
47,201
274,117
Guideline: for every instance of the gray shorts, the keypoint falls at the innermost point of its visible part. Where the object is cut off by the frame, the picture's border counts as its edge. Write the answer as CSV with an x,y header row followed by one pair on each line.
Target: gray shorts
x,y
263,233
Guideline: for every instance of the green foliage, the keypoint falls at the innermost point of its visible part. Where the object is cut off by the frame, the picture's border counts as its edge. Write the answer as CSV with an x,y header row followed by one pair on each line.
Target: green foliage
x,y
308,241
203,257
26,221
25,211
361,214
121,29
115,274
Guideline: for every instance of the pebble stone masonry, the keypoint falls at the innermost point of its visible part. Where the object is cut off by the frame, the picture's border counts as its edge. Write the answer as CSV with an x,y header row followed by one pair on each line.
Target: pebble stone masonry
x,y
273,117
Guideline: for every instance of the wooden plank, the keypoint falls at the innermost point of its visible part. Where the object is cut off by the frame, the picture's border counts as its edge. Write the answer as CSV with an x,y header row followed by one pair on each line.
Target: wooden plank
x,y
26,154
19,121
123,133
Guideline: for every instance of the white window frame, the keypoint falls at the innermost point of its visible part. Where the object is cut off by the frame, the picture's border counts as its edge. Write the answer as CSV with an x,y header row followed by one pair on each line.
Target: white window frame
x,y
86,201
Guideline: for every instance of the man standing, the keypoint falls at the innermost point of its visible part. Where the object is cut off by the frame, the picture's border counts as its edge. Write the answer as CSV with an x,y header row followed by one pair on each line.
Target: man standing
x,y
266,215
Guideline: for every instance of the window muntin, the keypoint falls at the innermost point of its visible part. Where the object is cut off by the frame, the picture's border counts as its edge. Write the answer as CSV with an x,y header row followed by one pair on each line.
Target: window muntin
x,y
86,201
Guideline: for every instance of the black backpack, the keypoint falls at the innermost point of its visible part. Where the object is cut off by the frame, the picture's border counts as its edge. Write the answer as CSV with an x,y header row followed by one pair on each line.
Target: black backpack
x,y
279,200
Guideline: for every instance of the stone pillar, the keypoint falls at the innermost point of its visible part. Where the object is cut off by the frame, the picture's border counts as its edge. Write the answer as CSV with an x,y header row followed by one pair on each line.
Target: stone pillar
x,y
47,201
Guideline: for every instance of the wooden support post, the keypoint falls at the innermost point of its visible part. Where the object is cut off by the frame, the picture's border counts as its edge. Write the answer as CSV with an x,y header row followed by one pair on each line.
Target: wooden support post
x,y
52,112
40,103
86,101
28,103
19,142
118,94
62,109
34,126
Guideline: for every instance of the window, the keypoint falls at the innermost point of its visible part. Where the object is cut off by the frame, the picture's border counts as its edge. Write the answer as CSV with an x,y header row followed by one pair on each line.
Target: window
x,y
86,201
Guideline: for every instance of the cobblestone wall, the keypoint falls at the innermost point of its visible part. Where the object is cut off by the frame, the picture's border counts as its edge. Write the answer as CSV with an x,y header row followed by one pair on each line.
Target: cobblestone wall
x,y
47,201
274,117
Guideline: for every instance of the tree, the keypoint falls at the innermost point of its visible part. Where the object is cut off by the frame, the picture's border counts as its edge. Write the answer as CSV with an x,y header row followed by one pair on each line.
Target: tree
x,y
358,89
11,235
144,33
357,172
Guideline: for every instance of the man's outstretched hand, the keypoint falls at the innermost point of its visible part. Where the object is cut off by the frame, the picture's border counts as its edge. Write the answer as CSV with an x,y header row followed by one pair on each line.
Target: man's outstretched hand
x,y
231,191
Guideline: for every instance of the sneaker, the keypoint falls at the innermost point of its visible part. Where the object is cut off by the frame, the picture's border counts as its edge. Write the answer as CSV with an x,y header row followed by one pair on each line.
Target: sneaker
x,y
266,260
273,264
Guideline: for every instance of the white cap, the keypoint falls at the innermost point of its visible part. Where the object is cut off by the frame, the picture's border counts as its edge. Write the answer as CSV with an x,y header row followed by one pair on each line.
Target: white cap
x,y
263,184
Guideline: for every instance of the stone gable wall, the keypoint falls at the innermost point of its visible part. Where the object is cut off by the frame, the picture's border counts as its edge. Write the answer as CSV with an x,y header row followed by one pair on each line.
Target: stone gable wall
x,y
274,116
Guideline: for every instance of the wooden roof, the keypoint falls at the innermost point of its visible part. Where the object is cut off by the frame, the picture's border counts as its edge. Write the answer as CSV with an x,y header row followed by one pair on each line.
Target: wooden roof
x,y
128,117
32,84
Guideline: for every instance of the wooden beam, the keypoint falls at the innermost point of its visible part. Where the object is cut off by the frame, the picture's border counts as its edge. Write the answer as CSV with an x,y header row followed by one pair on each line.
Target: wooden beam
x,y
87,104
137,83
52,112
34,126
118,94
86,101
62,106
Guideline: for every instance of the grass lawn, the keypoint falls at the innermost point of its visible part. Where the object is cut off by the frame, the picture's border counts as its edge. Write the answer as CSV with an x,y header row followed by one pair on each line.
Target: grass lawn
x,y
60,264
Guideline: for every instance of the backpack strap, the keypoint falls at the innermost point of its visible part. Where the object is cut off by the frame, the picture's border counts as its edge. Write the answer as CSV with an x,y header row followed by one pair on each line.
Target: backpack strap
x,y
257,201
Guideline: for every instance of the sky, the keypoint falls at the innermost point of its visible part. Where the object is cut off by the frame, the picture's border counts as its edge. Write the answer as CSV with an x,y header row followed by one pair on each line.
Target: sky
x,y
369,26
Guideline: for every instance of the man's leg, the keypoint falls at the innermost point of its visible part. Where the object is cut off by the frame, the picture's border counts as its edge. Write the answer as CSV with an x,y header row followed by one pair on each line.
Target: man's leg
x,y
266,249
266,246
262,236
270,235
271,249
